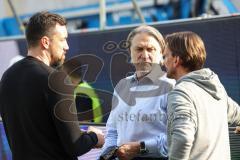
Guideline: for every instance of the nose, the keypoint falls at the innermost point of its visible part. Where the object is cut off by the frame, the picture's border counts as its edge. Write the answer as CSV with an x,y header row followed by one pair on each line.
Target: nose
x,y
164,62
66,47
163,67
145,55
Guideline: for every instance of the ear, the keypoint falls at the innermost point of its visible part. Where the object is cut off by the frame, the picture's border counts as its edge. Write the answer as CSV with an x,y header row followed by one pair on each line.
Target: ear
x,y
177,61
45,41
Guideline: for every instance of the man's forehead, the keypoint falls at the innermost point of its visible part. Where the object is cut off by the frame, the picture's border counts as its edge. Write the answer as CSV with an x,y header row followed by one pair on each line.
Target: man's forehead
x,y
166,50
147,43
60,29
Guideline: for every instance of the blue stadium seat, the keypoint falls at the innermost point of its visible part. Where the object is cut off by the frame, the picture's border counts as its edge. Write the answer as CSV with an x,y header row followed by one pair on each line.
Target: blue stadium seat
x,y
2,30
185,8
93,21
11,26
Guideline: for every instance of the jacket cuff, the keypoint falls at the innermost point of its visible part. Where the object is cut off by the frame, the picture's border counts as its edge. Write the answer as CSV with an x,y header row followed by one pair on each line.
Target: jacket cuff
x,y
93,136
151,145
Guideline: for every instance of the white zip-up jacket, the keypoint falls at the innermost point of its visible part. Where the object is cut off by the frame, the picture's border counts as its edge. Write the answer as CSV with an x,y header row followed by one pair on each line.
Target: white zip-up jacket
x,y
199,111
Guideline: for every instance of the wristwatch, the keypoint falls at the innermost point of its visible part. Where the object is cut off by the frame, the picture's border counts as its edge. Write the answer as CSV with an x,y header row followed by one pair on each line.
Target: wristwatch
x,y
143,149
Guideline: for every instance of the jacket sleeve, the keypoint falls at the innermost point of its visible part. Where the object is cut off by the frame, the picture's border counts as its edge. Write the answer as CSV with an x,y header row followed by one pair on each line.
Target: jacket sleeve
x,y
233,112
157,145
110,138
182,124
62,109
111,129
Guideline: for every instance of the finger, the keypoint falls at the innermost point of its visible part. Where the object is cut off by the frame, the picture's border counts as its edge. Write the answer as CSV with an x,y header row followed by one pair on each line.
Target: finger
x,y
237,130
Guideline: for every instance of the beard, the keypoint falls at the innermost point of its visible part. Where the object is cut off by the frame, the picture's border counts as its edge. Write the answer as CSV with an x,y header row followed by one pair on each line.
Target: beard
x,y
171,74
143,67
57,62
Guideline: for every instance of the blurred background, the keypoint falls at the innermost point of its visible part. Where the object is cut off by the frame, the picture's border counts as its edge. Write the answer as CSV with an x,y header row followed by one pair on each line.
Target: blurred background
x,y
99,14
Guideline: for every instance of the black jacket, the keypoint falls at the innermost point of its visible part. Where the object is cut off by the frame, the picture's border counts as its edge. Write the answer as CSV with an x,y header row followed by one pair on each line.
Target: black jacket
x,y
38,115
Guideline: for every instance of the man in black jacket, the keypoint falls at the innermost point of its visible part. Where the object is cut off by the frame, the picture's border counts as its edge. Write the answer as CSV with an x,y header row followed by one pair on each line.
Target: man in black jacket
x,y
36,105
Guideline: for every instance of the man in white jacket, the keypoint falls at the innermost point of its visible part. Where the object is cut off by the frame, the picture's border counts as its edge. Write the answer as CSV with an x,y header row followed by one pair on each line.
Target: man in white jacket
x,y
199,108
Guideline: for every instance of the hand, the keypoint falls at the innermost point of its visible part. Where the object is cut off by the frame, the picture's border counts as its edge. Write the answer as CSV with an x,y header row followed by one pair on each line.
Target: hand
x,y
94,129
128,151
99,134
101,141
237,130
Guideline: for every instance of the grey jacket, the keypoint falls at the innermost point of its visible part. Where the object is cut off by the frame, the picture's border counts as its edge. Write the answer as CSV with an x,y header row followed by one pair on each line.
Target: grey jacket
x,y
199,111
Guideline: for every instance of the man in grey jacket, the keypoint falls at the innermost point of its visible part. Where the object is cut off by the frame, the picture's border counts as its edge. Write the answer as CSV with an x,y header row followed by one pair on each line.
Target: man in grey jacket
x,y
199,108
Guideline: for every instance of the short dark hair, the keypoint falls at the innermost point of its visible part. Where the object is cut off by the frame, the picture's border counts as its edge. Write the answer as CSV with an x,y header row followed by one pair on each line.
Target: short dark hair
x,y
189,47
40,24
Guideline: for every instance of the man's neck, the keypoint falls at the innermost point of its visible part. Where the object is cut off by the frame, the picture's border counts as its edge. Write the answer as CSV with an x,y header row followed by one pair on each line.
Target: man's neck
x,y
141,74
40,55
181,72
